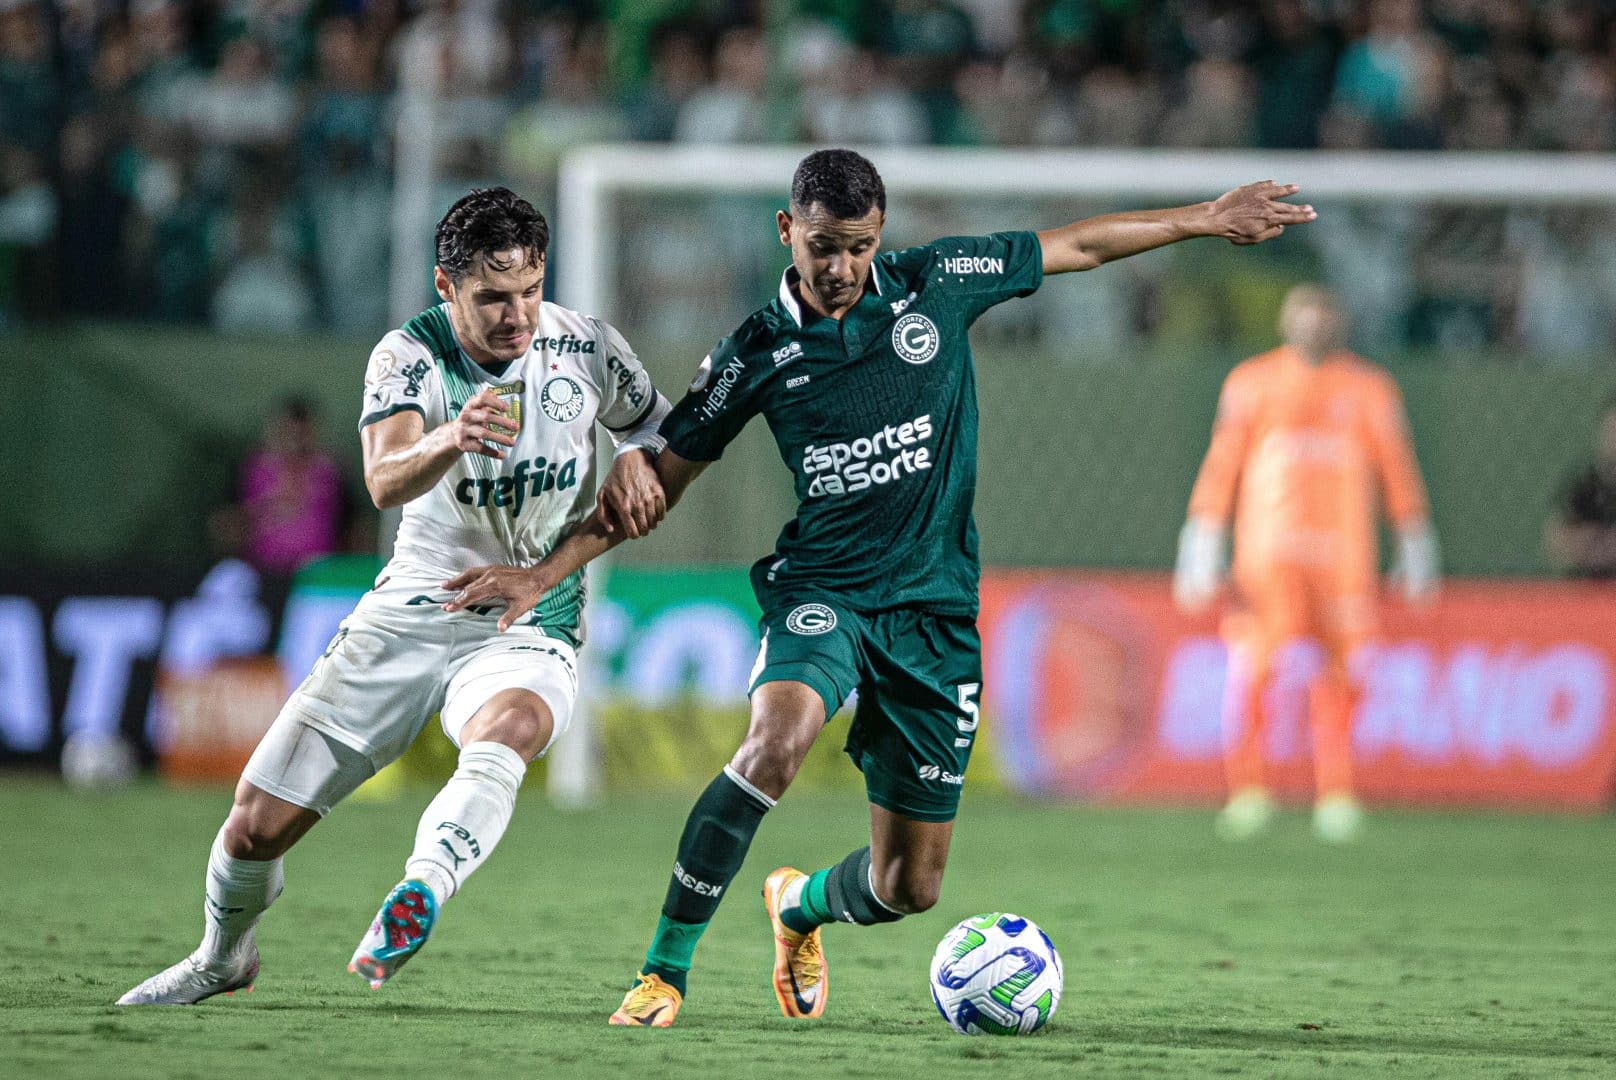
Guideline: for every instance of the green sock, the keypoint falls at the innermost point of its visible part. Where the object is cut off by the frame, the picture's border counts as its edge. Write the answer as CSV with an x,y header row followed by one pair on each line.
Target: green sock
x,y
711,850
813,909
839,893
672,947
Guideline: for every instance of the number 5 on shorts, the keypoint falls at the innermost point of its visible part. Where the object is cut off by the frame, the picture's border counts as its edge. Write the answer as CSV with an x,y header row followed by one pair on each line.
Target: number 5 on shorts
x,y
972,711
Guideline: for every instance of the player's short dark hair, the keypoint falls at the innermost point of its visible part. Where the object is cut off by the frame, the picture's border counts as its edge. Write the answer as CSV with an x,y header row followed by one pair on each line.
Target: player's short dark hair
x,y
485,221
842,181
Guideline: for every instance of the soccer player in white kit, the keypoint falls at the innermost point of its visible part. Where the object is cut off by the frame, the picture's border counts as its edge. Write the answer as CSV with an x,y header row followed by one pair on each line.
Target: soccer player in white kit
x,y
479,419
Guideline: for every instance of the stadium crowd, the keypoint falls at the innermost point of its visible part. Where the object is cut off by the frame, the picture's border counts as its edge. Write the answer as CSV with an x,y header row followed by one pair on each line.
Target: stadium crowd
x,y
230,161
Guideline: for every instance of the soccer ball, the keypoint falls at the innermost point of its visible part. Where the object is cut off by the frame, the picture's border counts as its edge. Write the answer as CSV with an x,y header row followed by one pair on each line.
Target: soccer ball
x,y
97,762
996,974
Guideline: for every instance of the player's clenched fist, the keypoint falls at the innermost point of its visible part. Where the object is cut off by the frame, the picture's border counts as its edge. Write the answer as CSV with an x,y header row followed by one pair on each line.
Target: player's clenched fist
x,y
1254,212
632,498
484,419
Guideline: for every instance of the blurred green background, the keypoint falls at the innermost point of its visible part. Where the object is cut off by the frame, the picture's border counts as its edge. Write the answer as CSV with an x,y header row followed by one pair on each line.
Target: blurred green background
x,y
115,444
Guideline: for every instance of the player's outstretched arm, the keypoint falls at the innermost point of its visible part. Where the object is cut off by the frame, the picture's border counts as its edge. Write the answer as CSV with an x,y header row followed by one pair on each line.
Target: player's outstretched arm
x,y
523,587
1246,215
403,460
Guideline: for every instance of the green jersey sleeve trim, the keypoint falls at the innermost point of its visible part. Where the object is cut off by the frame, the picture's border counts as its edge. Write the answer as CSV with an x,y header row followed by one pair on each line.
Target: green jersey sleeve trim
x,y
634,423
382,414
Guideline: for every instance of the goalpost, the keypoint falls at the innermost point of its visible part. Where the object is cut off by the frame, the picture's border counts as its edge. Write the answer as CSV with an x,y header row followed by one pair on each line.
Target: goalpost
x,y
592,176
590,241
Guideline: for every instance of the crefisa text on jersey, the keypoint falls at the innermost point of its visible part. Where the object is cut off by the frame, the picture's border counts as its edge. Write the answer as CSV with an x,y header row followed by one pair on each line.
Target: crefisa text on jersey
x,y
526,479
566,343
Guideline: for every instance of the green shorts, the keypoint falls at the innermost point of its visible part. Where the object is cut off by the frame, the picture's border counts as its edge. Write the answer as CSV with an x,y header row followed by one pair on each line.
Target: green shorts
x,y
918,676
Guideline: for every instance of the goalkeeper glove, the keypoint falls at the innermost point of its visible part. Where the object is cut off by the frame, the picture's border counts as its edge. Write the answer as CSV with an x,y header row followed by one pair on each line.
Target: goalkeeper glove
x,y
1419,564
1199,570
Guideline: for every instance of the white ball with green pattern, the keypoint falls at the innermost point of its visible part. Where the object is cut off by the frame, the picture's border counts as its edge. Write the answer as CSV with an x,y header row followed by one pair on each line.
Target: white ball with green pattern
x,y
996,974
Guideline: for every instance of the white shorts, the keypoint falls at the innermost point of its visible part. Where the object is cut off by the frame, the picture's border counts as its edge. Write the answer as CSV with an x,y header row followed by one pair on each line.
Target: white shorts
x,y
398,659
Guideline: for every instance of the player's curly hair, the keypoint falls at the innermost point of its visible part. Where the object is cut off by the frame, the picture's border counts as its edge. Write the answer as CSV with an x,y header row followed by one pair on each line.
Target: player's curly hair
x,y
842,181
486,221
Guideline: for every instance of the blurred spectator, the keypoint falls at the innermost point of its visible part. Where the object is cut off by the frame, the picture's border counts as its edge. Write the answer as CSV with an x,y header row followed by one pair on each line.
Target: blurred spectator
x,y
95,208
129,129
263,290
1216,107
1009,104
1581,538
1578,110
27,225
242,103
572,110
1116,107
846,100
166,77
293,502
1294,66
462,42
734,109
31,104
343,149
1567,270
926,42
29,100
1392,76
678,70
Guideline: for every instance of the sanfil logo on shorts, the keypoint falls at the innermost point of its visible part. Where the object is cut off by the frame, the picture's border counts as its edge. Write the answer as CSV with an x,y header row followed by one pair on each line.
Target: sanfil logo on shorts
x,y
935,772
811,619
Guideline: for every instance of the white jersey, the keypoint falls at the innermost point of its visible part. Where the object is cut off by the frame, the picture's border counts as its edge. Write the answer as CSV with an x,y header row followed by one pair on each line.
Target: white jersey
x,y
578,371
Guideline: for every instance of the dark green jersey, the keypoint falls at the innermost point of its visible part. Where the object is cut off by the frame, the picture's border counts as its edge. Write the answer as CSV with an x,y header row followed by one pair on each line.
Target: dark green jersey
x,y
875,415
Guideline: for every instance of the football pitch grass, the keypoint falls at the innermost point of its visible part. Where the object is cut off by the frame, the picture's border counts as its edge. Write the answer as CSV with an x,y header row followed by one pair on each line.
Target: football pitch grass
x,y
1442,945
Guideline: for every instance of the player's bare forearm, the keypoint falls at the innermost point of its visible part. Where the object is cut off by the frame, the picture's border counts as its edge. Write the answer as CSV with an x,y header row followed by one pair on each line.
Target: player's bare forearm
x,y
403,461
404,472
1092,242
595,535
676,474
589,540
1246,215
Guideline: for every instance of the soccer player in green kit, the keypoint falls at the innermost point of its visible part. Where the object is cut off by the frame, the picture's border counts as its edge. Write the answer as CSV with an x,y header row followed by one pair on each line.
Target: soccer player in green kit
x,y
862,367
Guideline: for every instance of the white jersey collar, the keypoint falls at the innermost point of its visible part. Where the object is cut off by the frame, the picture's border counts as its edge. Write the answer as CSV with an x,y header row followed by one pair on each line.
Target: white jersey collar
x,y
788,295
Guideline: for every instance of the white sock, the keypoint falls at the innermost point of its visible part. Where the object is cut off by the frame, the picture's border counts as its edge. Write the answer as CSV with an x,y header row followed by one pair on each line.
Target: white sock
x,y
791,895
239,891
461,826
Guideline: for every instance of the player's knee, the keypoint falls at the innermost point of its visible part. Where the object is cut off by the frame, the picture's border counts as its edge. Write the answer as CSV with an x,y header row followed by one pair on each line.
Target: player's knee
x,y
250,833
912,893
906,886
770,760
521,723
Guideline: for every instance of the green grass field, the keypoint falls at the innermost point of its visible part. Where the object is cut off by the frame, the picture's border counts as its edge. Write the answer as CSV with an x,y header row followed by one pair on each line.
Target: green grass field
x,y
1441,946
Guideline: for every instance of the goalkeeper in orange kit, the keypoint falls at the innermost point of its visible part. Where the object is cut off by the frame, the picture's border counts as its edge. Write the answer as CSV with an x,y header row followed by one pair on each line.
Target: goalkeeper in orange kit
x,y
1308,440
